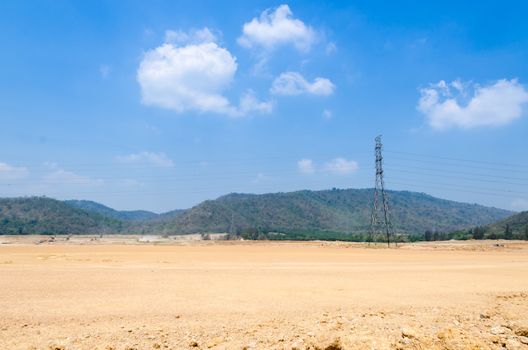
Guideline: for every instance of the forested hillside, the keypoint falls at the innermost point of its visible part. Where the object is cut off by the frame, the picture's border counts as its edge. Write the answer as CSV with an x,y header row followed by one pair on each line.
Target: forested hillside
x,y
512,227
127,215
318,212
331,214
41,215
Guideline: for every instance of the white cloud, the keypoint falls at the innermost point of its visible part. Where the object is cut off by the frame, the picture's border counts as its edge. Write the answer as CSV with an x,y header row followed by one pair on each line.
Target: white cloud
x,y
260,178
63,177
341,166
330,48
520,204
157,159
467,105
249,103
327,114
277,27
10,172
194,36
306,166
192,77
293,83
104,70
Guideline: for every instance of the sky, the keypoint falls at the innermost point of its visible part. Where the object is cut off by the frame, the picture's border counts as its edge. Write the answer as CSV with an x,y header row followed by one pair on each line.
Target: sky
x,y
160,105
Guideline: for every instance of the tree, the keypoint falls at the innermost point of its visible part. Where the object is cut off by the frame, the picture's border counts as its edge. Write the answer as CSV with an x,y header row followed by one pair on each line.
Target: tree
x,y
428,235
508,234
526,233
478,233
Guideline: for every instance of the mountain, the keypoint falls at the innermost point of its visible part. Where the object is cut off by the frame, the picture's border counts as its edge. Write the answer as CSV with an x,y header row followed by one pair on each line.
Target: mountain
x,y
516,226
330,214
41,215
316,213
125,215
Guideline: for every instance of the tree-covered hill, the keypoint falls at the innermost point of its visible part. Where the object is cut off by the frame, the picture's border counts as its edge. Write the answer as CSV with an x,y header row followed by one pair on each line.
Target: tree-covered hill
x,y
126,215
337,211
41,215
515,226
331,214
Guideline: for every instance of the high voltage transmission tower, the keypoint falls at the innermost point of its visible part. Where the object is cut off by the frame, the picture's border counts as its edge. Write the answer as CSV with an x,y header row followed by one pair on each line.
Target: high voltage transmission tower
x,y
380,221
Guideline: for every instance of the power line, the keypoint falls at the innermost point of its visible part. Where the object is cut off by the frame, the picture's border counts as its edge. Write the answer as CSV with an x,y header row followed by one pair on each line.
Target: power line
x,y
458,172
460,159
459,165
465,186
451,189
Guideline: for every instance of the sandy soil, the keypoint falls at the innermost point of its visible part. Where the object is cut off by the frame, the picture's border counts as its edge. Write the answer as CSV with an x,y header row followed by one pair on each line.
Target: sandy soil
x,y
121,294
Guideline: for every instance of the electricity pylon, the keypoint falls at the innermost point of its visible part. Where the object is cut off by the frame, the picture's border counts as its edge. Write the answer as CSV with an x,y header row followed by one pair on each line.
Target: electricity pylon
x,y
380,224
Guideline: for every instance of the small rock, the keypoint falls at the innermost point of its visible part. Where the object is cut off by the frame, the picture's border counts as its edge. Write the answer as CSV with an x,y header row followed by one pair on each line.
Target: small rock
x,y
406,341
512,344
497,330
408,333
193,344
522,331
484,317
495,339
214,342
523,339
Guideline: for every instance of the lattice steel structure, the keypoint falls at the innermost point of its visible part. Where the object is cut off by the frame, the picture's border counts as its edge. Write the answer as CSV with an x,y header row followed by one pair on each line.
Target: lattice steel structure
x,y
380,221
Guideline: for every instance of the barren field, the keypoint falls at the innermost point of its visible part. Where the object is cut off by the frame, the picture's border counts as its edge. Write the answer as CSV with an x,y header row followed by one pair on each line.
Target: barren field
x,y
120,294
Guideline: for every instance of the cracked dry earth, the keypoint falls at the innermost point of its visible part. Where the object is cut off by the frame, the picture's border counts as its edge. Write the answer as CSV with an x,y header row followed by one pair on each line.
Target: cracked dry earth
x,y
263,295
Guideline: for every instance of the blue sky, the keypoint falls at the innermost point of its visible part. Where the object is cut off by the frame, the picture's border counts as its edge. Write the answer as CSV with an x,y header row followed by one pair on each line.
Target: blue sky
x,y
160,104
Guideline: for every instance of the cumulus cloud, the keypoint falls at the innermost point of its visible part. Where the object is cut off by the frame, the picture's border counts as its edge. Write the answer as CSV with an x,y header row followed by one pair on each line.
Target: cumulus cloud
x,y
306,166
277,27
327,114
330,48
467,105
293,83
10,172
194,36
260,178
156,159
341,166
59,176
190,72
249,103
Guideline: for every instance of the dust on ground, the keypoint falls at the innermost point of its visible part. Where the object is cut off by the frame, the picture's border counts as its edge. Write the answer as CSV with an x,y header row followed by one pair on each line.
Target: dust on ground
x,y
122,293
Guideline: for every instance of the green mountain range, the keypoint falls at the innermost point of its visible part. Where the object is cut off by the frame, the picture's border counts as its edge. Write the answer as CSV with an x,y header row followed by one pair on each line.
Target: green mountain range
x,y
125,215
41,215
338,211
516,226
329,214
512,227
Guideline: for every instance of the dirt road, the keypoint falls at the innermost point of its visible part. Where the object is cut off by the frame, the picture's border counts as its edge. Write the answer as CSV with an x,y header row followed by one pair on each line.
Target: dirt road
x,y
263,296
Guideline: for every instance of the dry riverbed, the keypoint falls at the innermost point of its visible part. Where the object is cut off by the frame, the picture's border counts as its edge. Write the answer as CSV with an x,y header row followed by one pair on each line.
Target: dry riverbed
x,y
120,293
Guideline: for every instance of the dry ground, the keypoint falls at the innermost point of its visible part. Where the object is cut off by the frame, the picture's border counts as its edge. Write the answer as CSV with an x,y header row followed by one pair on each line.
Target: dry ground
x,y
119,294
